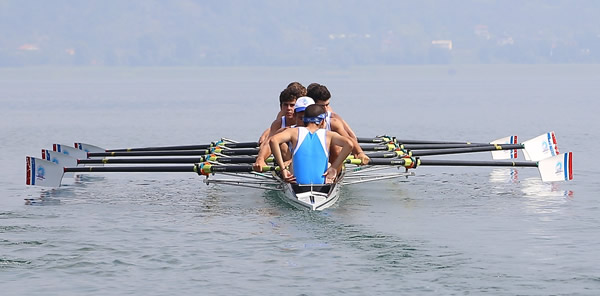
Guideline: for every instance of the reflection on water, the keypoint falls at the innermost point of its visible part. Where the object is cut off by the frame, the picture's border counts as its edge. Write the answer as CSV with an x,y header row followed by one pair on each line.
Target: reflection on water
x,y
534,187
504,175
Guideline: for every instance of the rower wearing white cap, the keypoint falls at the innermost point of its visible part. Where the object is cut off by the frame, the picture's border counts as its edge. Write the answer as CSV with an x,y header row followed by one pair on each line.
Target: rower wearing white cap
x,y
311,145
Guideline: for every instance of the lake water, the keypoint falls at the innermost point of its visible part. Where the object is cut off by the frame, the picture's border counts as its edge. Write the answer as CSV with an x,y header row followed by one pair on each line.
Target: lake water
x,y
446,231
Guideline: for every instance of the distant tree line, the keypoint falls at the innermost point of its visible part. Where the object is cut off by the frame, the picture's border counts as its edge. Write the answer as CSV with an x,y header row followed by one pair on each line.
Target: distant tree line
x,y
291,33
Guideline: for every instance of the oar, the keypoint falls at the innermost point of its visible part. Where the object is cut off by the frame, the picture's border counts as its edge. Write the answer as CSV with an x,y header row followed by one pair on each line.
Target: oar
x,y
211,157
400,141
535,149
556,168
387,139
190,147
488,147
240,151
46,173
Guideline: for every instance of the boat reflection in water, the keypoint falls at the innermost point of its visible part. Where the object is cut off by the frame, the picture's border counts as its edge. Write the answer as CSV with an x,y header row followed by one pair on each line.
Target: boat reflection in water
x,y
529,186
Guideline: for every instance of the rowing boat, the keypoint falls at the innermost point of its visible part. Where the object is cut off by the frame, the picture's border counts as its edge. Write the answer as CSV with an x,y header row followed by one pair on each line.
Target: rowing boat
x,y
226,162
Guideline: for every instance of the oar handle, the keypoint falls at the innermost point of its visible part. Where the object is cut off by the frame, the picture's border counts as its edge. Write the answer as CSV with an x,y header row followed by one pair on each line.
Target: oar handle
x,y
207,168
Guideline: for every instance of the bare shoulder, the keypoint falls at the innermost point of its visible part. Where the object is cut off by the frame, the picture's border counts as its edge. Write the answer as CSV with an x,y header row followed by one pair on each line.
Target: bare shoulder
x,y
277,121
336,116
336,124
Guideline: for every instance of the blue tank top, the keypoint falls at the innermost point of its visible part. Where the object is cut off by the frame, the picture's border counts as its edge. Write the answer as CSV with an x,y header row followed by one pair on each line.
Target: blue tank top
x,y
310,156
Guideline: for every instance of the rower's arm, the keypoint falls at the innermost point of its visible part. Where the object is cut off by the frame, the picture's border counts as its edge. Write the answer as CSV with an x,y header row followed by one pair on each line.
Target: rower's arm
x,y
346,125
345,143
265,135
275,145
273,129
338,127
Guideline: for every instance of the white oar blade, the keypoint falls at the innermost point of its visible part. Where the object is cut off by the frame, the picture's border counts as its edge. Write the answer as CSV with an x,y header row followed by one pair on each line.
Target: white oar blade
x,y
43,173
71,151
505,154
557,168
540,147
61,159
89,148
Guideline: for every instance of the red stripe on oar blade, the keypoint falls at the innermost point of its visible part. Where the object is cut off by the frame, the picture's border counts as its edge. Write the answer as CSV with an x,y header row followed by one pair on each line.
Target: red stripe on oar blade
x,y
28,181
570,165
554,143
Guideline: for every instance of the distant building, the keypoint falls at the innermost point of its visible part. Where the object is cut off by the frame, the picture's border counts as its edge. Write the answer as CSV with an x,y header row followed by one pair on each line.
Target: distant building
x,y
482,32
506,41
445,44
28,47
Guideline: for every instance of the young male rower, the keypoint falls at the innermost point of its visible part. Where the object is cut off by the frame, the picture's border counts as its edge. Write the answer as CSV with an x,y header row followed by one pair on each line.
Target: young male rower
x,y
265,149
285,117
311,145
322,96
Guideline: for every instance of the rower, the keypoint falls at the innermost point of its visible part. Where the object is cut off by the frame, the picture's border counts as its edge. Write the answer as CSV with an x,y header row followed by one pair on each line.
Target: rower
x,y
334,122
285,117
265,149
310,155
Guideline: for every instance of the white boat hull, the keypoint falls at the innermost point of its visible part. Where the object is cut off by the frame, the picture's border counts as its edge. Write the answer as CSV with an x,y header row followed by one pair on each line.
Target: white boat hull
x,y
312,197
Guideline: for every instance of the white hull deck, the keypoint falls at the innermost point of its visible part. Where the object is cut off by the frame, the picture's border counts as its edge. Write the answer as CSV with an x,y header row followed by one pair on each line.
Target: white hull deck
x,y
312,197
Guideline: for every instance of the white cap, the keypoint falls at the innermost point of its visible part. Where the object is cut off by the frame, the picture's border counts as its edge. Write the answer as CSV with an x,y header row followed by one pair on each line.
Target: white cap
x,y
302,103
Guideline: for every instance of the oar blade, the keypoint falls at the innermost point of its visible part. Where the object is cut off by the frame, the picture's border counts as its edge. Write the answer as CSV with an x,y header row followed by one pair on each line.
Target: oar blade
x,y
60,159
88,147
505,154
71,151
540,147
557,168
42,172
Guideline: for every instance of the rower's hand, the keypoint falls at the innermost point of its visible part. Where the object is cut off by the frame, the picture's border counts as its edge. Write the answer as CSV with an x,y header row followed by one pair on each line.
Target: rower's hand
x,y
287,163
330,175
288,176
364,159
258,165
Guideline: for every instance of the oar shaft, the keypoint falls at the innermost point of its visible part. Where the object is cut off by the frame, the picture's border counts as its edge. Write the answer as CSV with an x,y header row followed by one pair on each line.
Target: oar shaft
x,y
405,141
141,160
467,150
187,147
241,151
243,159
435,162
196,168
386,139
141,169
412,162
442,146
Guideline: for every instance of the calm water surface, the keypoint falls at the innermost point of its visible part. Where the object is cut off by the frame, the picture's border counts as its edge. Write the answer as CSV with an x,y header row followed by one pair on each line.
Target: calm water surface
x,y
446,231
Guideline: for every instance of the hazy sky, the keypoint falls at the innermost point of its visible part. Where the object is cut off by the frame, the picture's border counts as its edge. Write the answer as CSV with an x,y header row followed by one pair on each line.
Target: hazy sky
x,y
180,32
